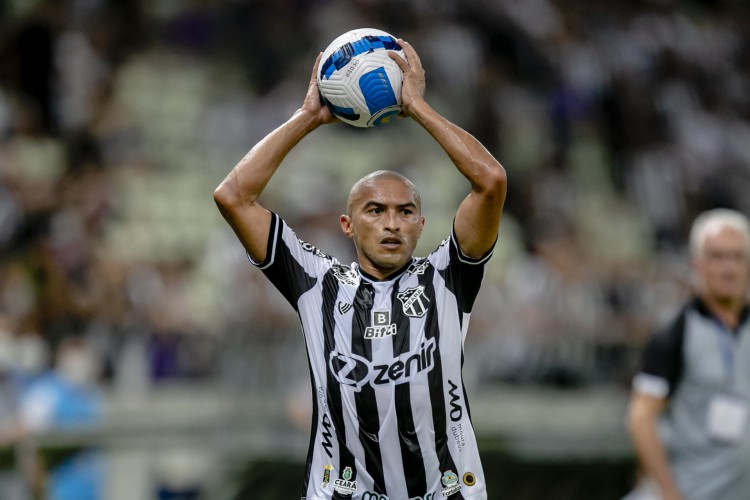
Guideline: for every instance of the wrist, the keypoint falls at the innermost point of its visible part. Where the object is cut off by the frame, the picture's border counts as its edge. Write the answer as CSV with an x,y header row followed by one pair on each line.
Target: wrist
x,y
418,109
306,120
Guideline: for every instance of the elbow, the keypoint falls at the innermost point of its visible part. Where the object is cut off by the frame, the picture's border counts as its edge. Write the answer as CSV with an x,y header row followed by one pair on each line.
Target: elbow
x,y
222,196
226,196
494,181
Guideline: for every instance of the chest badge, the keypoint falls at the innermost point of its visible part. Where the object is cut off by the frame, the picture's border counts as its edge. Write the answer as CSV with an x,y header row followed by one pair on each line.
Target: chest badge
x,y
414,301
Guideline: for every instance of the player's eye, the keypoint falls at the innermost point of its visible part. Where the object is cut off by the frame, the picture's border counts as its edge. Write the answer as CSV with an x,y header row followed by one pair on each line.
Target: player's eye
x,y
406,211
376,210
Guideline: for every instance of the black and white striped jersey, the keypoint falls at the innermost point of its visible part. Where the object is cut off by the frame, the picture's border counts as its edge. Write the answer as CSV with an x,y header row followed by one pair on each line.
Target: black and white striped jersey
x,y
390,414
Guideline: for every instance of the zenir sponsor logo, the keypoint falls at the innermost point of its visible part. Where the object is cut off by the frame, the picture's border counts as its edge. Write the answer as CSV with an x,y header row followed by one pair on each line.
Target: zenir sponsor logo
x,y
414,301
355,371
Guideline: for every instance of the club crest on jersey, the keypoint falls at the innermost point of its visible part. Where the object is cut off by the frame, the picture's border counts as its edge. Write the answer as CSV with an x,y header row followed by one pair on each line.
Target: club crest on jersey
x,y
381,327
344,307
450,482
345,486
344,274
414,301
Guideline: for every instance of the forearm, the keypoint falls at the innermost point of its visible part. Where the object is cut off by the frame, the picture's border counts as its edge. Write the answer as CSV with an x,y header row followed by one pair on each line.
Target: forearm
x,y
652,455
469,156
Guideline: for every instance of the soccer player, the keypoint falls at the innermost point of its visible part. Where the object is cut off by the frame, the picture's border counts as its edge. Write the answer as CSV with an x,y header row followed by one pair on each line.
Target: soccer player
x,y
384,335
688,411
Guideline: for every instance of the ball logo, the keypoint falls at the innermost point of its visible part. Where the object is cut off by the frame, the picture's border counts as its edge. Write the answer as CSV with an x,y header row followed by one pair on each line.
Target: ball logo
x,y
355,371
357,79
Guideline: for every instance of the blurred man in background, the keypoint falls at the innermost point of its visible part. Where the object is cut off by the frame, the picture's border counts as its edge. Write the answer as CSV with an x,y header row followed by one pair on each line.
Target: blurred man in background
x,y
689,406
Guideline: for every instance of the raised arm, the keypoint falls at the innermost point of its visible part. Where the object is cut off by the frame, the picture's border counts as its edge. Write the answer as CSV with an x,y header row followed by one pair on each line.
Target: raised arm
x,y
237,195
478,216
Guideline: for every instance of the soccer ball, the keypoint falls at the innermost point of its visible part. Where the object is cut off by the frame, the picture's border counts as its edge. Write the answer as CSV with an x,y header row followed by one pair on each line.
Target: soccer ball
x,y
359,83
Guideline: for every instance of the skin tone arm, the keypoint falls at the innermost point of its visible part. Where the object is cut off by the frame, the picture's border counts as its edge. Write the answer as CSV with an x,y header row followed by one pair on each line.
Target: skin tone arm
x,y
237,195
643,414
478,216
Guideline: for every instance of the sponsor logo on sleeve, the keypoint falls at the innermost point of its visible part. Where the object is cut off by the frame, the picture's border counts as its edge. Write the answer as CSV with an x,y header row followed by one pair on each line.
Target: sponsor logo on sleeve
x,y
345,485
418,266
470,479
345,275
450,482
326,476
307,247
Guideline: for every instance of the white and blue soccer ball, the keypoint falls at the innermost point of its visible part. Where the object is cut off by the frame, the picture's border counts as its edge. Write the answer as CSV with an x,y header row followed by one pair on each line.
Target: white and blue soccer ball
x,y
359,83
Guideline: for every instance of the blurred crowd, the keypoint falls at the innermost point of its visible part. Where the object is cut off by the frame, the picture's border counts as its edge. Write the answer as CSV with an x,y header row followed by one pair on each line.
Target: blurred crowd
x,y
616,121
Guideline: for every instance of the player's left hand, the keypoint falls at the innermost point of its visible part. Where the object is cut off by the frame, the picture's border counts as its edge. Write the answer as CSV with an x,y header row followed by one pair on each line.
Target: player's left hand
x,y
313,102
414,84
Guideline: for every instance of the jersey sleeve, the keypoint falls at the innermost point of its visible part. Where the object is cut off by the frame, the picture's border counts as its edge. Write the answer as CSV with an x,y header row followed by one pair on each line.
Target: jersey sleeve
x,y
662,361
293,266
463,275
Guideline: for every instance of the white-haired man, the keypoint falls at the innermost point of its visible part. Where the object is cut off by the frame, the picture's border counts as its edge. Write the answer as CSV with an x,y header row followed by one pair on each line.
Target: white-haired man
x,y
689,406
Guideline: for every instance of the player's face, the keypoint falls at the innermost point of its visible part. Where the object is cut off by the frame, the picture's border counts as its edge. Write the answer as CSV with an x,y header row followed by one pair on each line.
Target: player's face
x,y
723,265
385,224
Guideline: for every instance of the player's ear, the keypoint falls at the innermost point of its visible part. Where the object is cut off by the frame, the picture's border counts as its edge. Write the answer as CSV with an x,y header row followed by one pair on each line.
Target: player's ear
x,y
421,226
346,225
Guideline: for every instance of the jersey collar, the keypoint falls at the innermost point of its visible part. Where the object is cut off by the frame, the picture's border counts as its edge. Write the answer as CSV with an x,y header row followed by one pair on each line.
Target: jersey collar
x,y
393,276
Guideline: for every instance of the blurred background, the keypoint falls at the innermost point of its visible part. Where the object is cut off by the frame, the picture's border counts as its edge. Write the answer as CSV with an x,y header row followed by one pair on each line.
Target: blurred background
x,y
141,355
